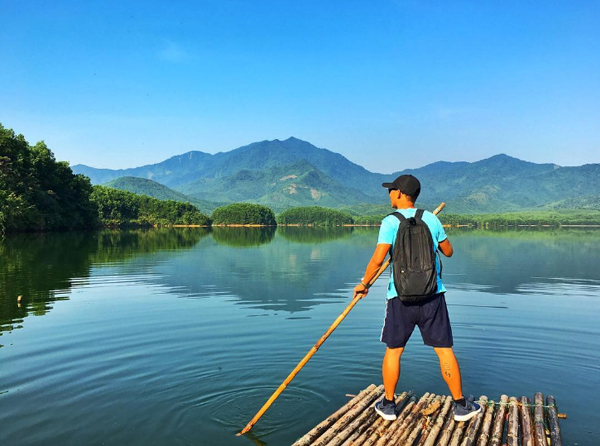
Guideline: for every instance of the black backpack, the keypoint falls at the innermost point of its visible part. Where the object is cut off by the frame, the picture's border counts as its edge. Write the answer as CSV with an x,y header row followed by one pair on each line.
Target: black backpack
x,y
413,258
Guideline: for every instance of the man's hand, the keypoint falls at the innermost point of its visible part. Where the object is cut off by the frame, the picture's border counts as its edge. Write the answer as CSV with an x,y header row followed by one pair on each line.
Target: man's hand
x,y
360,290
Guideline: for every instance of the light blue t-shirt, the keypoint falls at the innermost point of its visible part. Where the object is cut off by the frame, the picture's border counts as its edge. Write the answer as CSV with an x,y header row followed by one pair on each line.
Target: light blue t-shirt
x,y
387,235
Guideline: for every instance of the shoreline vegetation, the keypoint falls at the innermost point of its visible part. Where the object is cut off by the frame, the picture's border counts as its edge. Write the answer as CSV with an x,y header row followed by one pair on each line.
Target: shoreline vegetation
x,y
38,194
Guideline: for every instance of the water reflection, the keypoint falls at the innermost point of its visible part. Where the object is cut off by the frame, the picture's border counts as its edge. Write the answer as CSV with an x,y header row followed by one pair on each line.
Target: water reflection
x,y
283,275
42,267
512,261
290,269
243,236
314,235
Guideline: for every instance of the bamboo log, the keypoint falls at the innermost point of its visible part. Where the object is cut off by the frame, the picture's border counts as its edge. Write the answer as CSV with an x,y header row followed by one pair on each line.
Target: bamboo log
x,y
512,436
381,426
526,422
397,422
376,430
499,421
487,425
418,428
432,419
458,432
539,430
555,436
436,426
400,425
447,430
475,423
357,426
316,431
340,424
400,436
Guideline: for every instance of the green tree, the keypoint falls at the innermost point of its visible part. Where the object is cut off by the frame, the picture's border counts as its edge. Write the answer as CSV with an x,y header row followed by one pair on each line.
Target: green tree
x,y
315,216
121,208
38,193
243,214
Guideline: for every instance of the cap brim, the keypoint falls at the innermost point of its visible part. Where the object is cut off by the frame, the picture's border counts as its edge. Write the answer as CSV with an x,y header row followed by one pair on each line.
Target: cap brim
x,y
389,185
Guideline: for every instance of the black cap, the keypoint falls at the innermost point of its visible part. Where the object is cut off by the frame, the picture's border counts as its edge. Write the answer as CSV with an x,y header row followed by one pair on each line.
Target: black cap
x,y
407,184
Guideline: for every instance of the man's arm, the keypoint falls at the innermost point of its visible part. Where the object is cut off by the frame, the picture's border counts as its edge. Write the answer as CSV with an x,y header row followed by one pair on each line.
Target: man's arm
x,y
374,264
446,248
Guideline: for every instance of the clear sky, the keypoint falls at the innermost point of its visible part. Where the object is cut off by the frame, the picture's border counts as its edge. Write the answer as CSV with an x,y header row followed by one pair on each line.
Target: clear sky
x,y
388,84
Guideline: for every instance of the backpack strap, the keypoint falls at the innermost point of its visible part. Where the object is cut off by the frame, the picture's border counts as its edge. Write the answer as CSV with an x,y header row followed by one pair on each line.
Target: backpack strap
x,y
399,216
419,214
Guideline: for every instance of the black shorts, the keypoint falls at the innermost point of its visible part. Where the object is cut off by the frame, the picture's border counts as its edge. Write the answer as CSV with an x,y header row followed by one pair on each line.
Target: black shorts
x,y
431,316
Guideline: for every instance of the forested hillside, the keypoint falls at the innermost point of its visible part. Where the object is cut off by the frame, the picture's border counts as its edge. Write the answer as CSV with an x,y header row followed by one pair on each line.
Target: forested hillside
x,y
37,192
153,189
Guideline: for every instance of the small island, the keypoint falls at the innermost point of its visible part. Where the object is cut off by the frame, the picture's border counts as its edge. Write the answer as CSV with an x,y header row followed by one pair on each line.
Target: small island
x,y
243,214
314,216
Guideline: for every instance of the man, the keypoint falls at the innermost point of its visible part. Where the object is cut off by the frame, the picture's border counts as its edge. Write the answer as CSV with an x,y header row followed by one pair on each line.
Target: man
x,y
430,314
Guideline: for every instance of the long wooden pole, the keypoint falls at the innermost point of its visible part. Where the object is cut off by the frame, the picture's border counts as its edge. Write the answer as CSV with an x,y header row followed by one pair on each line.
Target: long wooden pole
x,y
314,349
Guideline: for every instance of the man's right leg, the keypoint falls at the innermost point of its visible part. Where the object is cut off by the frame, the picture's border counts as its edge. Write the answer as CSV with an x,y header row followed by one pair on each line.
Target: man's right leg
x,y
391,371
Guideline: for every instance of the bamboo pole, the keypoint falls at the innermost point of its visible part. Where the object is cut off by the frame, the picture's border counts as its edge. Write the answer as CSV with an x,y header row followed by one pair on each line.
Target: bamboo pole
x,y
341,424
539,429
403,407
487,425
474,424
512,436
316,431
555,436
499,420
320,342
527,424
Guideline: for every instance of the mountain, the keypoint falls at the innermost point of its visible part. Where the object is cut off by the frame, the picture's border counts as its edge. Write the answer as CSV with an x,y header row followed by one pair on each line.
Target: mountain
x,y
182,169
153,189
280,187
292,172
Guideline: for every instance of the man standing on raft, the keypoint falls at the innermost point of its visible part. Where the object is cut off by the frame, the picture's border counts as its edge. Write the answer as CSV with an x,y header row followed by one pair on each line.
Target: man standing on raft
x,y
415,294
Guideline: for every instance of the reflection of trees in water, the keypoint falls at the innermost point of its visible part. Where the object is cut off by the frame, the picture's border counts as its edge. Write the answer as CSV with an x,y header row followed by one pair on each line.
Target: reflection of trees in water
x,y
280,276
506,260
313,235
40,267
241,237
572,234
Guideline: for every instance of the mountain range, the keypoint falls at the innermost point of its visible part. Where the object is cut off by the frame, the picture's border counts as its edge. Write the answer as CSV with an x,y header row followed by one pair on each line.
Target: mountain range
x,y
283,174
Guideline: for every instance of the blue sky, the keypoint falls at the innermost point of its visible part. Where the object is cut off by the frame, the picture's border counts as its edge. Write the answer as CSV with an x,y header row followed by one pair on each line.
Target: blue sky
x,y
388,84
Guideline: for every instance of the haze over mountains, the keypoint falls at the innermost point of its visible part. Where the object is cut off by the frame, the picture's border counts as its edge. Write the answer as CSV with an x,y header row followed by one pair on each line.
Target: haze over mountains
x,y
283,174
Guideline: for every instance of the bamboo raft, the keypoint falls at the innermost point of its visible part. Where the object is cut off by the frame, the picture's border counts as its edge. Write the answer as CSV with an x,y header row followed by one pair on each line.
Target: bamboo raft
x,y
429,421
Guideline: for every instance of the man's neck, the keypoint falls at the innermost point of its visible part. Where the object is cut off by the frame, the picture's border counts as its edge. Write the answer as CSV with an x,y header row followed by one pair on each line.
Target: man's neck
x,y
405,205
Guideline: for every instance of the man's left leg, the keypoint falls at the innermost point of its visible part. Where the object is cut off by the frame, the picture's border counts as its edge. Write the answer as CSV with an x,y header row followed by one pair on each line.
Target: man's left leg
x,y
450,371
464,409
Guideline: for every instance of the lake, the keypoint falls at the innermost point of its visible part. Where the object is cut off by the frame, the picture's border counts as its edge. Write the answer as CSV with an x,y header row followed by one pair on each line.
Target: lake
x,y
178,336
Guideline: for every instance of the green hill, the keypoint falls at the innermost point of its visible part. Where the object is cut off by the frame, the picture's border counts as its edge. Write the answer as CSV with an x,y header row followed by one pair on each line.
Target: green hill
x,y
153,189
280,188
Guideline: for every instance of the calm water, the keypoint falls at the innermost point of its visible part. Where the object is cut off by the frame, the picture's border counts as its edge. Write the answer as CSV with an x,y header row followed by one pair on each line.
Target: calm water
x,y
168,337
